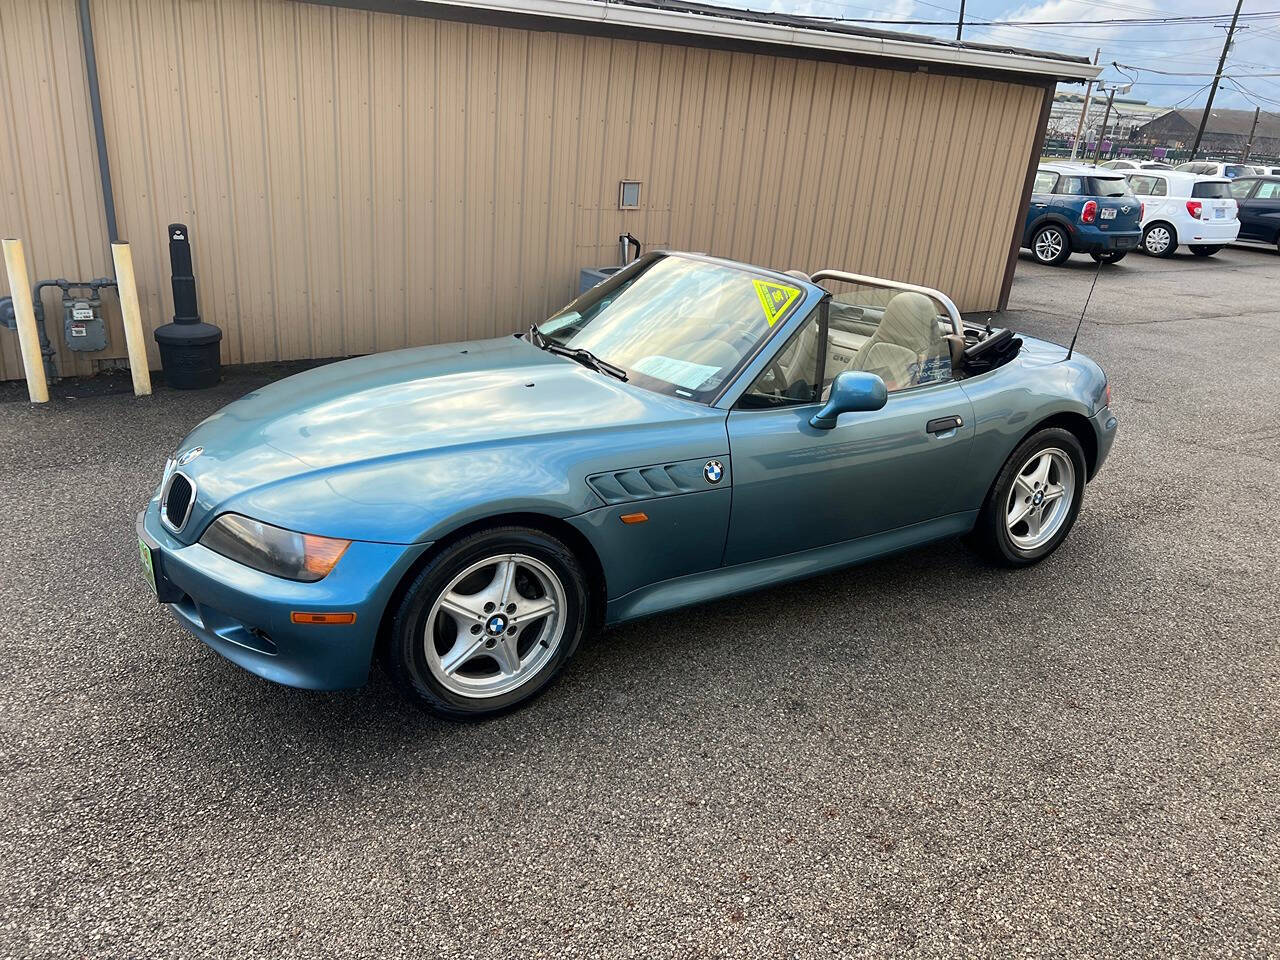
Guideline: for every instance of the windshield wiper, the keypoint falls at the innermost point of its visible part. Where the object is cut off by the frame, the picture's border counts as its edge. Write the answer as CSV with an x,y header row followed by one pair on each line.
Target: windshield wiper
x,y
586,358
581,354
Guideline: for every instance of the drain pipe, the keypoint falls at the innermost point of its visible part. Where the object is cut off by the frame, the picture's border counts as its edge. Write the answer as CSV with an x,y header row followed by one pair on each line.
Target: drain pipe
x,y
99,131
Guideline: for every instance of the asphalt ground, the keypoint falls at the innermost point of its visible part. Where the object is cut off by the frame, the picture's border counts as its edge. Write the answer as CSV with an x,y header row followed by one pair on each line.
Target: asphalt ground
x,y
923,756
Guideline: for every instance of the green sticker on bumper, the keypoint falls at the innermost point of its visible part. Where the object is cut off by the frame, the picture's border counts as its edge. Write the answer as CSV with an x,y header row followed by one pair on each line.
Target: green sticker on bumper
x,y
148,566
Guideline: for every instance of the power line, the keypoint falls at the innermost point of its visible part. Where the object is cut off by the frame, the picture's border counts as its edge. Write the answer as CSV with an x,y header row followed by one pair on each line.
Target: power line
x,y
994,28
1169,83
1111,21
1175,73
1252,96
1189,97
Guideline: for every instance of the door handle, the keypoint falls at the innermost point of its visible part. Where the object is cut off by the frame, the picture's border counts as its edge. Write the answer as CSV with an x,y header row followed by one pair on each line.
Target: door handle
x,y
943,424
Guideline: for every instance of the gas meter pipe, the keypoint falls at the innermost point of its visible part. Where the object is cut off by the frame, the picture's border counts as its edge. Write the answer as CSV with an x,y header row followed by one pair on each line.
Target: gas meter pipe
x,y
15,263
131,315
46,345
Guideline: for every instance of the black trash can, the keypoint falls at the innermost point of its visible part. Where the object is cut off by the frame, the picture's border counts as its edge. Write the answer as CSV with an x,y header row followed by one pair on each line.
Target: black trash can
x,y
189,349
190,355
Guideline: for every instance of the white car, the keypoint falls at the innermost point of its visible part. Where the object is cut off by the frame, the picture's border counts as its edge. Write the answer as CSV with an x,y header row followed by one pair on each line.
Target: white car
x,y
1127,165
1185,208
1215,168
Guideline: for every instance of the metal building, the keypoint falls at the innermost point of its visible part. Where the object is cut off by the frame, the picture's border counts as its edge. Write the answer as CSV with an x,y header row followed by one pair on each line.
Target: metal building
x,y
1227,133
361,175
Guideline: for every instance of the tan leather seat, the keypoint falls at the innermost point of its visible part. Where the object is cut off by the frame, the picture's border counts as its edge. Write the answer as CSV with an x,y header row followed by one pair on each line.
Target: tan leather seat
x,y
907,342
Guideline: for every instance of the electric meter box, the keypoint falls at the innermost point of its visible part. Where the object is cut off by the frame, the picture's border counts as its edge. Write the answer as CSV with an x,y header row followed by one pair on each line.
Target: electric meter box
x,y
83,328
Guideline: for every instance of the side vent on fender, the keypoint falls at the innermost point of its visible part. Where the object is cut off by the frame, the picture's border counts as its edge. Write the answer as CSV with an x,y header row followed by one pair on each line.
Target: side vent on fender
x,y
649,483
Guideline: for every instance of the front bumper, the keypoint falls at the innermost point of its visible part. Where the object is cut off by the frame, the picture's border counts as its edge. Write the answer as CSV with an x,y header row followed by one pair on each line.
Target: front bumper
x,y
1104,429
244,614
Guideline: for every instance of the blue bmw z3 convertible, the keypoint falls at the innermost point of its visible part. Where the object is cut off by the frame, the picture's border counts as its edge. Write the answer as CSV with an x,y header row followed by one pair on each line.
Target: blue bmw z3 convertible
x,y
689,429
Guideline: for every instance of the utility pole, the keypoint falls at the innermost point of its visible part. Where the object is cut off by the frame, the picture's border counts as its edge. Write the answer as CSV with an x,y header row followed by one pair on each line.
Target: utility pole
x,y
960,22
1217,77
1248,147
1084,111
1097,149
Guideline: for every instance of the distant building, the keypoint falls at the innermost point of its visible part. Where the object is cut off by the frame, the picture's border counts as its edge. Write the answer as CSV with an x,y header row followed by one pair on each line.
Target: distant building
x,y
1127,114
1225,135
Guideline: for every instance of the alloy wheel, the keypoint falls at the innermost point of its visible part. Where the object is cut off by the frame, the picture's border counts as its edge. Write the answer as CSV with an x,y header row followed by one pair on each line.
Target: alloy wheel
x,y
495,625
1040,499
1049,245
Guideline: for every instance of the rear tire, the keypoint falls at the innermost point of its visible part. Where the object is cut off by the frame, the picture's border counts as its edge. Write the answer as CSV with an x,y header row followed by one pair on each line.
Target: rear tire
x,y
1034,500
1050,245
1159,240
1203,251
488,623
1111,256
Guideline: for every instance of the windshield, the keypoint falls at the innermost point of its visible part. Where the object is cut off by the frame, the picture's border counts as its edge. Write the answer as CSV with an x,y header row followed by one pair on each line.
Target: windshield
x,y
674,324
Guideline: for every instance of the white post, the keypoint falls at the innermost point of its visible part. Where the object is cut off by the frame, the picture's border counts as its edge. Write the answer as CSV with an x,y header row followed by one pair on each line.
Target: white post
x,y
131,315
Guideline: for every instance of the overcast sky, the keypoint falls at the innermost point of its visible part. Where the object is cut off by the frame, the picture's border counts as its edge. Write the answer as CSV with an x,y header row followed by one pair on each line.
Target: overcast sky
x,y
1179,48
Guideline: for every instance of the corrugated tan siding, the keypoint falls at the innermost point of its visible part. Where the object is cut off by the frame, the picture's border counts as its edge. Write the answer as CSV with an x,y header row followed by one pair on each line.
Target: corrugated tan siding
x,y
361,181
49,190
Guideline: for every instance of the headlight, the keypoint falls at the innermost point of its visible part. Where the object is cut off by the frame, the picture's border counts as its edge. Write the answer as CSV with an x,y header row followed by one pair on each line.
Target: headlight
x,y
273,550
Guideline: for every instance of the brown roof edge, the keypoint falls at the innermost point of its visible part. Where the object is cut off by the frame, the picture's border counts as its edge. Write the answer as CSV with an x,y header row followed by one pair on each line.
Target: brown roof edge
x,y
729,30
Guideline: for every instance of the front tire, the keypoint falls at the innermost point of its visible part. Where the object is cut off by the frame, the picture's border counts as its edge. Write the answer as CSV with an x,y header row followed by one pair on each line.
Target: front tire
x,y
1201,250
1111,256
1034,500
1159,240
1050,245
489,622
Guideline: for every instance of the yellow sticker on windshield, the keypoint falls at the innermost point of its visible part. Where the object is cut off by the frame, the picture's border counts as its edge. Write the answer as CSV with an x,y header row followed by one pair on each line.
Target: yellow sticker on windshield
x,y
776,298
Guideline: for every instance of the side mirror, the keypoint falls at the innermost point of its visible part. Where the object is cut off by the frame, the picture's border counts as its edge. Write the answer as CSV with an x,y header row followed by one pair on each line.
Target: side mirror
x,y
852,391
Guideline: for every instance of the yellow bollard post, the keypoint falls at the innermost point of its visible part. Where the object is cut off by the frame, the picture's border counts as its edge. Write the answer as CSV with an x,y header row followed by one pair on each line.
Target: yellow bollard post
x,y
131,314
15,263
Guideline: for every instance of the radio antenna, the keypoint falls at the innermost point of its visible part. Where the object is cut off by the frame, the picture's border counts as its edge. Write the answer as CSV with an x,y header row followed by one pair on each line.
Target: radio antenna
x,y
1080,322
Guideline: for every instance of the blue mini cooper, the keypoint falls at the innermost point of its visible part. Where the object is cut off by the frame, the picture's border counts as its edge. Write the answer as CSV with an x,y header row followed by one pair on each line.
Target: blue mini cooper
x,y
1078,209
689,429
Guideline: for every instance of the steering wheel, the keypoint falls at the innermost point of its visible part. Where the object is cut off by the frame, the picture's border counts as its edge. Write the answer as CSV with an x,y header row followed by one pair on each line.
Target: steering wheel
x,y
774,369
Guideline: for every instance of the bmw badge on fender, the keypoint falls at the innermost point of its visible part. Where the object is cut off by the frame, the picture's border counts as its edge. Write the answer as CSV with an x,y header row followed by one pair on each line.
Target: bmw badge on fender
x,y
688,429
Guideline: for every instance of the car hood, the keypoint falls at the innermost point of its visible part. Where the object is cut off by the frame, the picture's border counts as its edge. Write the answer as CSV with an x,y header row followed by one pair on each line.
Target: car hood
x,y
469,399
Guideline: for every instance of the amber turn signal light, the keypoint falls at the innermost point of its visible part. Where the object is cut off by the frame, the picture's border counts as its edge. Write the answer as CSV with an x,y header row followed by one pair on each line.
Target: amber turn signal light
x,y
634,517
321,553
298,616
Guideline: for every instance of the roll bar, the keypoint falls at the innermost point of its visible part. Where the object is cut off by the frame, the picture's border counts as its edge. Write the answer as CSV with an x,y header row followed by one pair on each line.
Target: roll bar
x,y
953,313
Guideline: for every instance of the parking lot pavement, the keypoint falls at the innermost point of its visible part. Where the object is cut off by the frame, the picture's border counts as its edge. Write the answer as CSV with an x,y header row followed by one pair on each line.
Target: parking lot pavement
x,y
921,756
